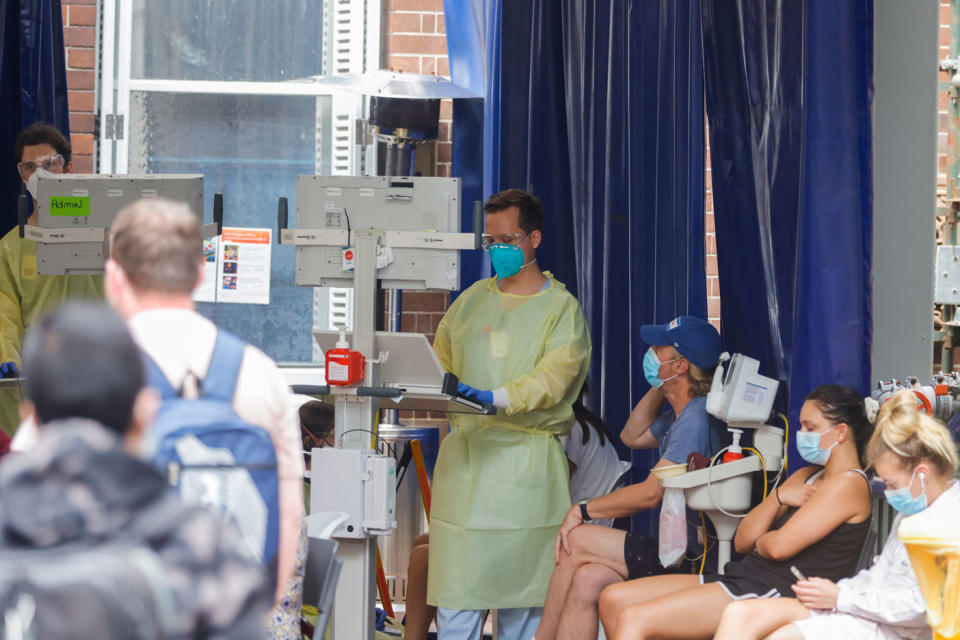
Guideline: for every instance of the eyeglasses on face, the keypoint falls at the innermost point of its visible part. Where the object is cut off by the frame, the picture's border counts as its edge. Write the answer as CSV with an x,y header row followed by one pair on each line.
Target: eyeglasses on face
x,y
488,239
49,163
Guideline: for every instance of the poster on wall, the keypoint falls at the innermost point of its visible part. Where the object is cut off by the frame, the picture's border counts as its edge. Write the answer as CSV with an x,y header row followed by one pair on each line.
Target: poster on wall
x,y
207,290
243,268
236,267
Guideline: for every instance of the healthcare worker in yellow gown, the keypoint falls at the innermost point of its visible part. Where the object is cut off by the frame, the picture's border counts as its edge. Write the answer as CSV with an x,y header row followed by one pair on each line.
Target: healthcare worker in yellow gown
x,y
24,295
518,341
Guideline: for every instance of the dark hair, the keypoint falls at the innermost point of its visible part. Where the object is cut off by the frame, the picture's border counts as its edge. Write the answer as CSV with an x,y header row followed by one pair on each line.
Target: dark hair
x,y
839,404
81,362
316,423
42,133
531,211
586,417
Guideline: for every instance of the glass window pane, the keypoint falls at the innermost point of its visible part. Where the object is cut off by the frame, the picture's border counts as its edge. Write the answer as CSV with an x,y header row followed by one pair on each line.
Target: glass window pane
x,y
253,40
250,148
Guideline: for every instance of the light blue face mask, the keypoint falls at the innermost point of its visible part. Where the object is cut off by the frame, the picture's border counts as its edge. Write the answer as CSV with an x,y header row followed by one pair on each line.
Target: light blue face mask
x,y
651,368
903,501
808,446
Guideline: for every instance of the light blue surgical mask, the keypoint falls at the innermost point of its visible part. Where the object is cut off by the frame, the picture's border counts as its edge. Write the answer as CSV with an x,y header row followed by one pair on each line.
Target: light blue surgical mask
x,y
507,259
808,445
903,501
651,368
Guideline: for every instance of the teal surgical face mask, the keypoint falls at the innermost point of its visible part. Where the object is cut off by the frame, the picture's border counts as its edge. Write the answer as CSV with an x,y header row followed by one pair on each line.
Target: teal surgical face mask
x,y
903,501
507,259
651,368
808,445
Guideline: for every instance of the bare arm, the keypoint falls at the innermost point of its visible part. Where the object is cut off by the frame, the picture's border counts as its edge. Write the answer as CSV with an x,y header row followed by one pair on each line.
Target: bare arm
x,y
636,432
629,500
836,501
623,502
761,517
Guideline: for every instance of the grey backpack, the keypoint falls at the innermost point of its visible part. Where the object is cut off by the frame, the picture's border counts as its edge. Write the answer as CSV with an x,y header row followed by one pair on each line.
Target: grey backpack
x,y
109,591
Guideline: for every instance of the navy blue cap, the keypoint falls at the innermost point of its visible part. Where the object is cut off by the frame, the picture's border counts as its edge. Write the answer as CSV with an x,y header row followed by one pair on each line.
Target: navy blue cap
x,y
694,338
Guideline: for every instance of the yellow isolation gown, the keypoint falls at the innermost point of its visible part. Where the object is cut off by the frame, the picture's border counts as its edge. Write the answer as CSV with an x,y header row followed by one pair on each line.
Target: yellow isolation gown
x,y
25,296
500,484
933,545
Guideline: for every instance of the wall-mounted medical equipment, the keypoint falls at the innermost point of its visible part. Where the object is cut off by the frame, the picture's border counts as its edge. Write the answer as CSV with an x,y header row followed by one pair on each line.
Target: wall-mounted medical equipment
x,y
75,213
743,398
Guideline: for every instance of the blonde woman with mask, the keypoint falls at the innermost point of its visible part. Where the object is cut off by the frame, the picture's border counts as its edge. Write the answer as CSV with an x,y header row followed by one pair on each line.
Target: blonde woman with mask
x,y
916,458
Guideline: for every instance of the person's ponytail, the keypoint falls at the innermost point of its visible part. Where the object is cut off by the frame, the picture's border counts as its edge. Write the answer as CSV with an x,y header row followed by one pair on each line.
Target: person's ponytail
x,y
588,419
841,404
912,435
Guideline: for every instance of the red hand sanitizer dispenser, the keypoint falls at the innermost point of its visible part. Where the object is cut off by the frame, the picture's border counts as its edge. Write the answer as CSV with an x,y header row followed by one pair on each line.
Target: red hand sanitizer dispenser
x,y
345,367
736,451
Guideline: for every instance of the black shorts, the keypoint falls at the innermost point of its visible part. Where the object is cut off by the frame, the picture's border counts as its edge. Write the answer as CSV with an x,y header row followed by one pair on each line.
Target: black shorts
x,y
641,554
741,587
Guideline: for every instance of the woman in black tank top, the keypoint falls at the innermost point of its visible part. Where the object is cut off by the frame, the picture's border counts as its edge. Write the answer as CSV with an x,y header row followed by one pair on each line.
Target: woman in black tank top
x,y
817,520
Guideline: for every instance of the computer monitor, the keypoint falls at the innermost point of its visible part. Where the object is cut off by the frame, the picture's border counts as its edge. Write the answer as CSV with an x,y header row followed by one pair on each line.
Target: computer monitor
x,y
386,204
75,203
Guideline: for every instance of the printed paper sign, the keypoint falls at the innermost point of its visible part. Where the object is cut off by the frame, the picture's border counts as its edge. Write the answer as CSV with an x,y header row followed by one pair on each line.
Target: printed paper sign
x,y
207,291
243,267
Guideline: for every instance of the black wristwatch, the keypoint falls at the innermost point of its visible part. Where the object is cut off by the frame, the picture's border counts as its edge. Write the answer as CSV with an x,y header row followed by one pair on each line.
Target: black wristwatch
x,y
583,511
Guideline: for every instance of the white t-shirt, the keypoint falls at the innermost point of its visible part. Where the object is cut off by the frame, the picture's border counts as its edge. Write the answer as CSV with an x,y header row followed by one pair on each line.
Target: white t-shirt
x,y
597,466
181,341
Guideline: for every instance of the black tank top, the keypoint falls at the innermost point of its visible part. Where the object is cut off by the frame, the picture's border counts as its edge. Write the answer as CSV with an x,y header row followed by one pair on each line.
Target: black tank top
x,y
833,557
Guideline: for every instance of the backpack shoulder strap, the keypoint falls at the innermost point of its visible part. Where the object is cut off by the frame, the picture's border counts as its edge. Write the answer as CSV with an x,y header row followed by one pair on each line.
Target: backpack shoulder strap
x,y
221,380
156,379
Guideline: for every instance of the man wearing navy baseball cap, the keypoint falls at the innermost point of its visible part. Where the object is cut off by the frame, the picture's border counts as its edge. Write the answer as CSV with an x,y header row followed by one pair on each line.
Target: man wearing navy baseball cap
x,y
671,417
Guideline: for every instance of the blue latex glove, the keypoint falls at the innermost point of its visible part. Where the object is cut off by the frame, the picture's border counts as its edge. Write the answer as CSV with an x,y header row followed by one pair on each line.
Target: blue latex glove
x,y
9,370
484,397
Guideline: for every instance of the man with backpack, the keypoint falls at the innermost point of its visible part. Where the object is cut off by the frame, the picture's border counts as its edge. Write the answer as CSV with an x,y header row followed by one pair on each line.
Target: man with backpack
x,y
224,402
93,544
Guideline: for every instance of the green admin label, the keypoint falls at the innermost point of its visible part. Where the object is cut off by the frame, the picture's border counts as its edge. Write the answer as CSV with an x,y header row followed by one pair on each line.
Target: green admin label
x,y
70,205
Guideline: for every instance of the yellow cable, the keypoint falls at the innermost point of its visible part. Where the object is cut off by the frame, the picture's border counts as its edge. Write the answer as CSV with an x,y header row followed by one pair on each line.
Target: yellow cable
x,y
376,430
763,468
786,440
703,526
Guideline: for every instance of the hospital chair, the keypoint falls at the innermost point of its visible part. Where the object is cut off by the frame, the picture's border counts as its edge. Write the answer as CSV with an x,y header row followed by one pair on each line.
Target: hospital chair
x,y
881,519
623,477
323,567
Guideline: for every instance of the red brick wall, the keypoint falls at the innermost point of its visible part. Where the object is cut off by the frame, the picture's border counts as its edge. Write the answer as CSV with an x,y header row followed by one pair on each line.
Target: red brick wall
x,y
80,37
943,105
415,41
945,143
710,241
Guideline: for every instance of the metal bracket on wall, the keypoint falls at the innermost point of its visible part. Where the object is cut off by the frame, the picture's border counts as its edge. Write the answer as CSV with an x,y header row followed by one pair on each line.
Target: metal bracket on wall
x,y
947,287
113,126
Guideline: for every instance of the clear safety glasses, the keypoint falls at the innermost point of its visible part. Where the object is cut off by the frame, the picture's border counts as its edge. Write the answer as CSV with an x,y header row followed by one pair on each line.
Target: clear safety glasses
x,y
488,239
49,163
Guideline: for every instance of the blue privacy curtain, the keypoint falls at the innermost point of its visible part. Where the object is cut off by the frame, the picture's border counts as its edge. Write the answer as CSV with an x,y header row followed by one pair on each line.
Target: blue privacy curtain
x,y
597,107
788,93
33,84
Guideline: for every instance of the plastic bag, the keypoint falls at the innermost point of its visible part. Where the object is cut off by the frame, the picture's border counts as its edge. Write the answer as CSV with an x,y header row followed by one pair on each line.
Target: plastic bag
x,y
673,527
